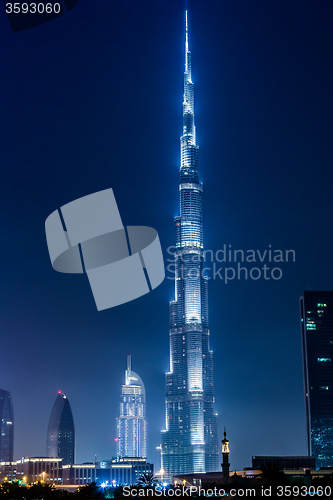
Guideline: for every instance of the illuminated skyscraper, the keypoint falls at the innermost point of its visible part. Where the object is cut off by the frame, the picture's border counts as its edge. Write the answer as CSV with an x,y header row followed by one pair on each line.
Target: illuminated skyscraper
x,y
190,441
6,427
61,433
317,346
132,423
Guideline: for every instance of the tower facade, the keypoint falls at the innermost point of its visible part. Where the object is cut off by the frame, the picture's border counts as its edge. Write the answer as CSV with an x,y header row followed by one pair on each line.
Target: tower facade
x,y
132,422
190,441
317,345
6,427
61,432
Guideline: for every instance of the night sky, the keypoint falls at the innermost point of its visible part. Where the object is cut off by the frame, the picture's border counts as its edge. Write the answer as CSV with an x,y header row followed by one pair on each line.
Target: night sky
x,y
92,100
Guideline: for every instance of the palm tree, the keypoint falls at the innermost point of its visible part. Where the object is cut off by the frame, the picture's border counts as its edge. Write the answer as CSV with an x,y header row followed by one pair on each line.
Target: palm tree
x,y
147,480
90,490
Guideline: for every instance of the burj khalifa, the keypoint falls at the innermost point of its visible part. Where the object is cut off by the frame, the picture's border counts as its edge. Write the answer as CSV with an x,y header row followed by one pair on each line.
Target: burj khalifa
x,y
190,441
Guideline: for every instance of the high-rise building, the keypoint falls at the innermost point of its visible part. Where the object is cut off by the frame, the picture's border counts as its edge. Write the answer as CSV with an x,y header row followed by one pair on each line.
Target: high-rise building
x,y
317,345
132,422
61,433
190,441
6,427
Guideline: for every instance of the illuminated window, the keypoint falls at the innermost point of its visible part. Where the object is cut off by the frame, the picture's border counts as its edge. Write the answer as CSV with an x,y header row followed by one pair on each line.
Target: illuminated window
x,y
310,325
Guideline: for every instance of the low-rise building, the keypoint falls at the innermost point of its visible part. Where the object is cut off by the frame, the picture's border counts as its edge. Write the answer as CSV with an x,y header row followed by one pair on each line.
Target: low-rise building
x,y
110,472
32,469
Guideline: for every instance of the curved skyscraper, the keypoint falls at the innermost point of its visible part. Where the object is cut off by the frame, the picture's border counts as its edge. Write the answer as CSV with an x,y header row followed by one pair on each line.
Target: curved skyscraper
x,y
6,427
190,441
61,433
132,423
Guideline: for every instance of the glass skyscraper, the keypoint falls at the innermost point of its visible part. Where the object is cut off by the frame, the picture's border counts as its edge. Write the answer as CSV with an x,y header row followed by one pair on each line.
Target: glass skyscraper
x,y
132,422
317,346
60,432
190,441
6,427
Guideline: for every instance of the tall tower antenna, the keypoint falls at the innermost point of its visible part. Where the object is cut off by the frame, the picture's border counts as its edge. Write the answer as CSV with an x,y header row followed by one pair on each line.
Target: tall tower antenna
x,y
186,43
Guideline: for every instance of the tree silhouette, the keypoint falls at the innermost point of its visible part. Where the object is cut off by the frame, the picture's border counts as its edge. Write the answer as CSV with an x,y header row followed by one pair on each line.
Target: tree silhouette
x,y
90,490
147,480
40,490
272,474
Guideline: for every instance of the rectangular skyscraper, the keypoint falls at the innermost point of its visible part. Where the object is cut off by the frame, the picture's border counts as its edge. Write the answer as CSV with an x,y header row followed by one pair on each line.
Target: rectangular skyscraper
x,y
6,427
317,346
132,422
190,441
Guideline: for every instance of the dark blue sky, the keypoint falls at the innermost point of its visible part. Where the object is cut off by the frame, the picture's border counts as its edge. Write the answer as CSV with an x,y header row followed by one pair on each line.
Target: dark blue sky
x,y
93,100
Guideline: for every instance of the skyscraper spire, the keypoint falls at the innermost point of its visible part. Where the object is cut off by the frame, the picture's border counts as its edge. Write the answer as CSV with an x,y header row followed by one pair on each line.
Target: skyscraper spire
x,y
186,41
190,442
